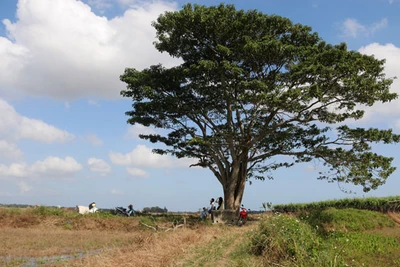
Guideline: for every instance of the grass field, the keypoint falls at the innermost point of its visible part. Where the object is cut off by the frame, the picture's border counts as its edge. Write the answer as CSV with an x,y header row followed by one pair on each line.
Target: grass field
x,y
328,237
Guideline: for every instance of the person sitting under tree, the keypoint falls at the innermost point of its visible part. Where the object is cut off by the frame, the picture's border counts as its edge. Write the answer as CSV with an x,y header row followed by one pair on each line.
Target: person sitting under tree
x,y
130,211
204,213
220,202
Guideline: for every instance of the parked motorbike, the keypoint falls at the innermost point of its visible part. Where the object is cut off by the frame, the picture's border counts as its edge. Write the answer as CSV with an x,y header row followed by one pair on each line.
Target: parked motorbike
x,y
125,212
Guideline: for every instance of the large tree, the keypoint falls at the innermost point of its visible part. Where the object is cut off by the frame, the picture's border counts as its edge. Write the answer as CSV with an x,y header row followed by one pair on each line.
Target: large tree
x,y
254,93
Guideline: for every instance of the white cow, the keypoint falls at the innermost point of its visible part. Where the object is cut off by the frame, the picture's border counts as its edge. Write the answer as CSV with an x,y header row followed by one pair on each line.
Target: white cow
x,y
85,209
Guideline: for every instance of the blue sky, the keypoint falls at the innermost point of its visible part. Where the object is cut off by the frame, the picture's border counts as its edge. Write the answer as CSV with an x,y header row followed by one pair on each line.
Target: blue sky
x,y
64,139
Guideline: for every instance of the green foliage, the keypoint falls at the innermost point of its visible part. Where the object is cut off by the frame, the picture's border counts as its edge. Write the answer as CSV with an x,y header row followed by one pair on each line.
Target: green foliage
x,y
13,262
332,237
366,249
148,221
101,214
382,204
155,209
68,226
12,210
285,240
346,220
252,87
48,211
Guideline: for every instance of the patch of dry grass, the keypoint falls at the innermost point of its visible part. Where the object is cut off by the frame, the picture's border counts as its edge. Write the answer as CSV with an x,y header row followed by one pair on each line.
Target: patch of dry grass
x,y
156,249
115,241
37,242
395,216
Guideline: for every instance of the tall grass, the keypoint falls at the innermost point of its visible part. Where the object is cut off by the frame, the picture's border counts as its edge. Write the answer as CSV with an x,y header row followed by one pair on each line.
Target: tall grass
x,y
382,204
345,220
286,240
334,237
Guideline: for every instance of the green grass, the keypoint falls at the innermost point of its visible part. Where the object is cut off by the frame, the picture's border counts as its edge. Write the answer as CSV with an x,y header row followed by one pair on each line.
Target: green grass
x,y
346,220
13,262
368,249
289,241
332,237
228,249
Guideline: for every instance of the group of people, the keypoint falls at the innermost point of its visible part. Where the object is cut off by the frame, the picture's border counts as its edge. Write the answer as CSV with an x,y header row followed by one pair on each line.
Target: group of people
x,y
220,202
213,206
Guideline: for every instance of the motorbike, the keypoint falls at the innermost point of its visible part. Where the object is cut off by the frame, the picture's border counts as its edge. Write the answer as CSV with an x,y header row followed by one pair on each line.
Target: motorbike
x,y
125,212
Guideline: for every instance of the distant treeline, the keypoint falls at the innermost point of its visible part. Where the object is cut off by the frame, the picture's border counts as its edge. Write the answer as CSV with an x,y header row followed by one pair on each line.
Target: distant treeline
x,y
155,209
20,206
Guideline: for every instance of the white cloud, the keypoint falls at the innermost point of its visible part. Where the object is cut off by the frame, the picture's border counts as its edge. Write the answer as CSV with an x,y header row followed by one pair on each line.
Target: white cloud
x,y
117,192
52,167
23,187
13,126
10,67
391,53
106,4
142,156
396,125
378,25
352,28
135,172
137,3
56,166
35,61
134,131
94,140
14,170
127,2
10,151
93,103
99,166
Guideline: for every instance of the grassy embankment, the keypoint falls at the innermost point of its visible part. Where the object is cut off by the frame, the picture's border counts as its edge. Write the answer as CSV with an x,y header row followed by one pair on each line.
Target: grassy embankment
x,y
328,233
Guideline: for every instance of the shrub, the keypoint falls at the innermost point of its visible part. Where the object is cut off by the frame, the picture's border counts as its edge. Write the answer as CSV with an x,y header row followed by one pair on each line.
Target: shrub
x,y
46,211
147,221
284,238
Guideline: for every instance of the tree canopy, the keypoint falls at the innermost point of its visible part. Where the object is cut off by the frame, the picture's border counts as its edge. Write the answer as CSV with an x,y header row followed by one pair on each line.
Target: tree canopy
x,y
256,92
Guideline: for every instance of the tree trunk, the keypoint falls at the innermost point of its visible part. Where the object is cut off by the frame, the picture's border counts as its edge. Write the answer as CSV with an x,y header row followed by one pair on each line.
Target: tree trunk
x,y
234,187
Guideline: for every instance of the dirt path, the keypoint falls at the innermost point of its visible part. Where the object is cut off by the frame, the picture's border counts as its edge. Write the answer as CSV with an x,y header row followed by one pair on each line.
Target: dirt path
x,y
395,216
220,251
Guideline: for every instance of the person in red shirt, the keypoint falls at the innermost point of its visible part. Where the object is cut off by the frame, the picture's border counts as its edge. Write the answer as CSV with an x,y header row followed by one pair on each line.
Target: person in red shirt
x,y
242,216
243,213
